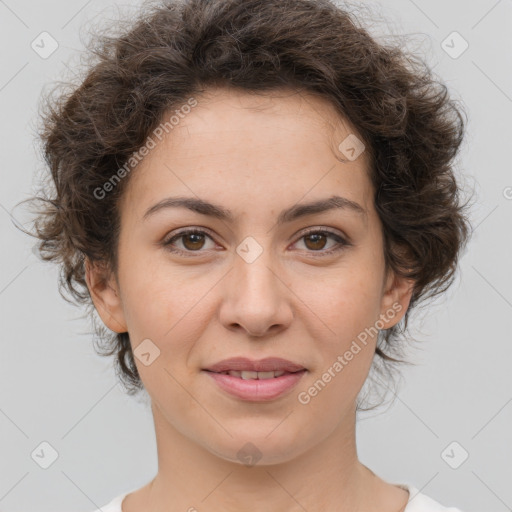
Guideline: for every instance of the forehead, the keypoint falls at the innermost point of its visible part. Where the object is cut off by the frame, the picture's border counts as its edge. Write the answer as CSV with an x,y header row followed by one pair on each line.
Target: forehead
x,y
282,139
236,111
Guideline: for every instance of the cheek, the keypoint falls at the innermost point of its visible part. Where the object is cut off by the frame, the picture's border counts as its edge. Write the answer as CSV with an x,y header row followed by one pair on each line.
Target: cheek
x,y
155,295
168,306
343,310
345,313
343,302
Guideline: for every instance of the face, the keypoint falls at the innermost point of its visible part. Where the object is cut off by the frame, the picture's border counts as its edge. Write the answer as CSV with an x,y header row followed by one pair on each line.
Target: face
x,y
308,286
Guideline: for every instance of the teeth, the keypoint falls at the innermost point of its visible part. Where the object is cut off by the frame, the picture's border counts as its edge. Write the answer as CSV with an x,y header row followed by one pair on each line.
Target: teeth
x,y
265,375
247,375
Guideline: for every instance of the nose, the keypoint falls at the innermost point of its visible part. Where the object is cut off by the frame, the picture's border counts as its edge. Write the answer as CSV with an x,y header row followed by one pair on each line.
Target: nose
x,y
256,298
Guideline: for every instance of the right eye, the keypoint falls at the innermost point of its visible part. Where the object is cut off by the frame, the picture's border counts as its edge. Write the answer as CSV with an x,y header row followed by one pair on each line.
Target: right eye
x,y
192,239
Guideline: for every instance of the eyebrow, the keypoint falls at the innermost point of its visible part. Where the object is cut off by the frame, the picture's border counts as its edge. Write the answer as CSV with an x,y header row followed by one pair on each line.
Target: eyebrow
x,y
295,212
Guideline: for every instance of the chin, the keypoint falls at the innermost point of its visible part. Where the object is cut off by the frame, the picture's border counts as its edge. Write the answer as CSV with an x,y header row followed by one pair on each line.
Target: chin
x,y
257,446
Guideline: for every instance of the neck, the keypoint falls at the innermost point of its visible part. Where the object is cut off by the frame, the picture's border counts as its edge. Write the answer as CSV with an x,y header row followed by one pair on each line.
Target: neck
x,y
190,477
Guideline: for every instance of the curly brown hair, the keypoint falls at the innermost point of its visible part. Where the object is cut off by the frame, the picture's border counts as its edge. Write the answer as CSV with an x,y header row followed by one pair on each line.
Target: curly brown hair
x,y
410,126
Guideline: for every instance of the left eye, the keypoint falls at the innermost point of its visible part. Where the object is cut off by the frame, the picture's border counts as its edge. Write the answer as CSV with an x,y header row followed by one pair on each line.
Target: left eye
x,y
317,240
193,241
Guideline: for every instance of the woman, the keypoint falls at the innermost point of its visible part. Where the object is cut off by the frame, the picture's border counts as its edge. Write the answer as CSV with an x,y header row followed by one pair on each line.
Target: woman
x,y
253,195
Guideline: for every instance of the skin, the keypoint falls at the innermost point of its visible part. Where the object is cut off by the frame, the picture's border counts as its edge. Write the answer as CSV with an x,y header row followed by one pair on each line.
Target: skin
x,y
255,155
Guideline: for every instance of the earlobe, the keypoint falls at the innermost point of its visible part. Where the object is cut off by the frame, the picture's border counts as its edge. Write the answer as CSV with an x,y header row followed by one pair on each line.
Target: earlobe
x,y
396,299
105,296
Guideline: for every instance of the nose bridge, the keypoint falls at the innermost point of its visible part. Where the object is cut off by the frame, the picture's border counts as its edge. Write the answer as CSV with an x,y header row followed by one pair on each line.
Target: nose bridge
x,y
254,265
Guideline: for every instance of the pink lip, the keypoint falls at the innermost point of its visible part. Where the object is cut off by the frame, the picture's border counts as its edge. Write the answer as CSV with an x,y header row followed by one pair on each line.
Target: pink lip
x,y
255,389
269,364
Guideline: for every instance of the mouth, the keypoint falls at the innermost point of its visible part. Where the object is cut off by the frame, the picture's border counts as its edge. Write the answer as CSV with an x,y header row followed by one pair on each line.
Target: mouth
x,y
257,381
252,375
250,367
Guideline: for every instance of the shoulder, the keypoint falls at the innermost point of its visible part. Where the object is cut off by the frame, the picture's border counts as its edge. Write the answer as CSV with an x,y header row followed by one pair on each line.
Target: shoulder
x,y
419,502
114,505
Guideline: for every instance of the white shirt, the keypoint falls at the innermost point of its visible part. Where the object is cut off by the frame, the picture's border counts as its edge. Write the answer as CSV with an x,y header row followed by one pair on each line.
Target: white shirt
x,y
418,502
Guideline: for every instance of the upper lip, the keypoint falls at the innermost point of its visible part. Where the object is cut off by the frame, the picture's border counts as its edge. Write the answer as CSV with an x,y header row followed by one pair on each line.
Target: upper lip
x,y
269,364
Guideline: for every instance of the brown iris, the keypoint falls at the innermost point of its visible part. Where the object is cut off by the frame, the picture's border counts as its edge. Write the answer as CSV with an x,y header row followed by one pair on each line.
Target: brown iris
x,y
196,240
317,238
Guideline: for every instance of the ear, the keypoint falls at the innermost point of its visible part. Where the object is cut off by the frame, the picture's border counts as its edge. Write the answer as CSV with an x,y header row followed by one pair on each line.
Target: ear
x,y
105,295
395,299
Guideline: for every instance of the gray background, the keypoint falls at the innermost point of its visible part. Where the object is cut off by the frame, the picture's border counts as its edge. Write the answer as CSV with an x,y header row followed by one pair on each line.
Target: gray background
x,y
54,387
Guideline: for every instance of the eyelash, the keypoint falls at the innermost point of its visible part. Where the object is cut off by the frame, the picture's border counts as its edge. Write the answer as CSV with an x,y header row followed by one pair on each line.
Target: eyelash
x,y
342,243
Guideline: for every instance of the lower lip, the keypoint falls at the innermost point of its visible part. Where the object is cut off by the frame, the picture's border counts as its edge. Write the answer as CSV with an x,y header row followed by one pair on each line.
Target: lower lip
x,y
256,389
